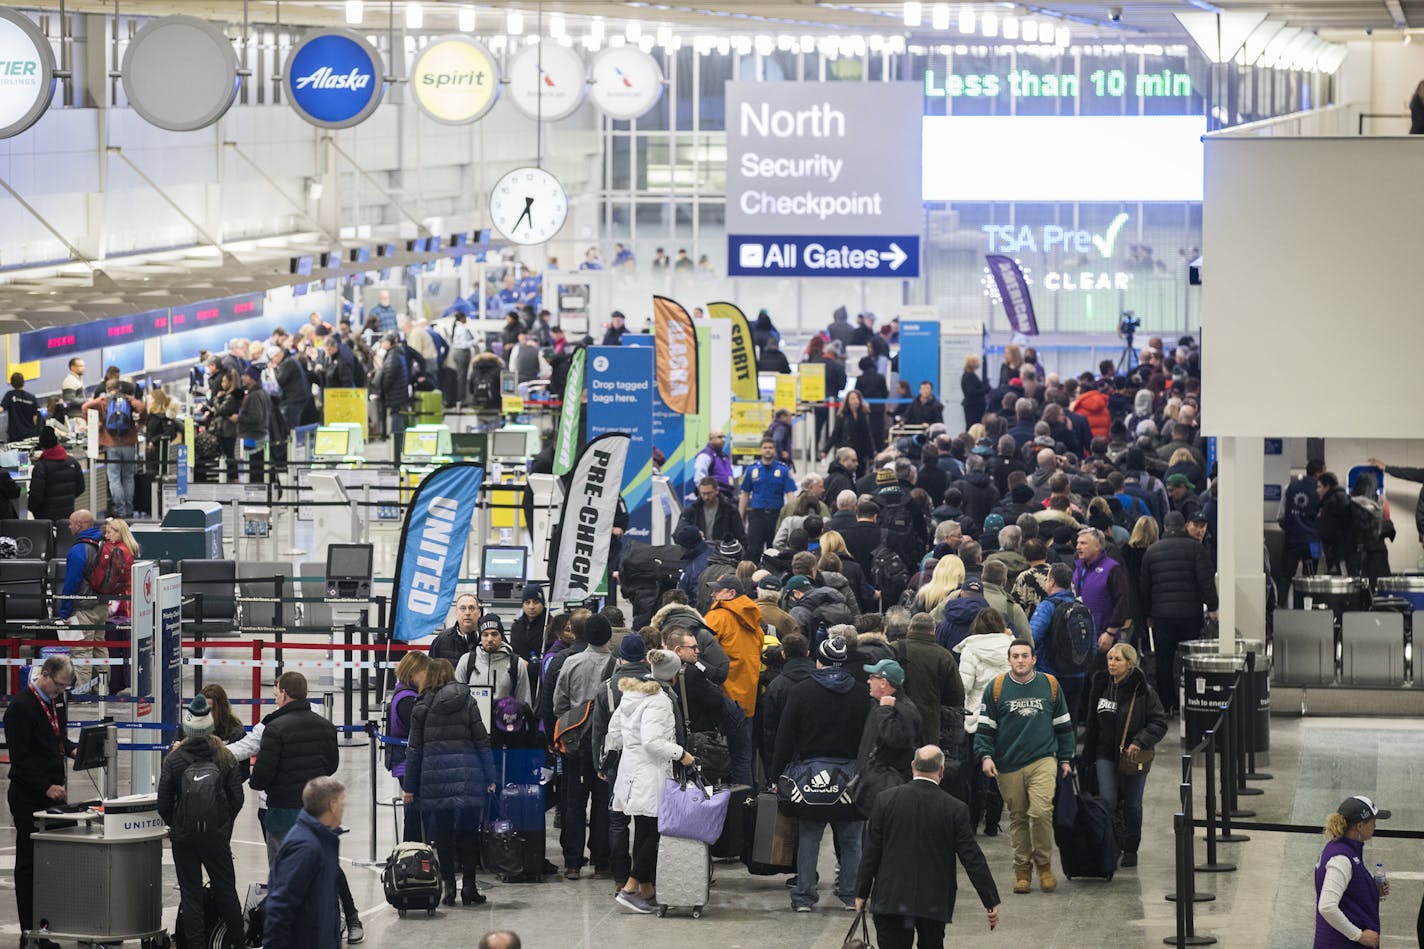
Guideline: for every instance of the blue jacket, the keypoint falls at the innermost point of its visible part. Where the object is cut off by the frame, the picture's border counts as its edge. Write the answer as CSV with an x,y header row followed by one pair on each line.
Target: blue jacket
x,y
76,572
697,562
1039,625
302,907
1299,506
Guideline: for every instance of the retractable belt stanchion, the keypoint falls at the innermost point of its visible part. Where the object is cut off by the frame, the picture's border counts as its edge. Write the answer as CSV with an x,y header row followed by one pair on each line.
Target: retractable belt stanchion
x,y
1238,761
371,733
1251,711
1186,934
1244,711
1186,850
1212,865
1228,780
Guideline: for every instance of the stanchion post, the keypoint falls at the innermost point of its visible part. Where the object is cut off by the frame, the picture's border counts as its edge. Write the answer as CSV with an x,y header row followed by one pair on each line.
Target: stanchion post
x,y
350,631
1212,865
1228,782
256,681
1242,712
1187,851
365,671
371,734
1238,760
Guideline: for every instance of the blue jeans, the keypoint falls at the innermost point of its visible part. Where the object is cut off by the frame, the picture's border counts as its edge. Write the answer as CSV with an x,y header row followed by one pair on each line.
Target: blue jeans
x,y
848,836
739,742
1112,787
120,461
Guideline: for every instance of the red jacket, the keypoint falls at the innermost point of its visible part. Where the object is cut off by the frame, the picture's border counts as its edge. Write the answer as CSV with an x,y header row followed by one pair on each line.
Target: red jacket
x,y
1094,405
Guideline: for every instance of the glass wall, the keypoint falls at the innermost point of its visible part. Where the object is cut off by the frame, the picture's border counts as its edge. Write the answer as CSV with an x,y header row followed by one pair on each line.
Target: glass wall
x,y
664,182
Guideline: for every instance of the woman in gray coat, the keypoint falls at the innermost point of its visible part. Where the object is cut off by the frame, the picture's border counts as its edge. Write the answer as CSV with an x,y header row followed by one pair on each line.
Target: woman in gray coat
x,y
450,770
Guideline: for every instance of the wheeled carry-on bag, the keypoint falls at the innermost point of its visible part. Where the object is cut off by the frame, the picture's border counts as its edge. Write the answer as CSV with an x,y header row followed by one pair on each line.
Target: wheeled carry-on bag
x,y
736,831
684,875
1083,831
412,878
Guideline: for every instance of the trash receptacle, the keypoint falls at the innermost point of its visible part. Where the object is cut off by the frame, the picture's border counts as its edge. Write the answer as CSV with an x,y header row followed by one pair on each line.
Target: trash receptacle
x,y
1196,649
1206,681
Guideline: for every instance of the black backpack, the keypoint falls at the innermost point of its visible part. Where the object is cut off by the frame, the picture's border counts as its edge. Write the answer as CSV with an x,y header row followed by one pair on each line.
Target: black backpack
x,y
888,573
486,390
359,377
200,806
1364,523
1072,638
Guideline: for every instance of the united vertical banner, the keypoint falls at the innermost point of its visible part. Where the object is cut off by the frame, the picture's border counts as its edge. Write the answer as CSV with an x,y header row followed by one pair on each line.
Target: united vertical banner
x,y
566,442
744,367
589,507
432,549
676,346
1013,290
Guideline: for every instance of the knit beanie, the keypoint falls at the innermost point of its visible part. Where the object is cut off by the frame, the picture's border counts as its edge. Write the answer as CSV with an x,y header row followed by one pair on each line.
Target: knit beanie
x,y
198,718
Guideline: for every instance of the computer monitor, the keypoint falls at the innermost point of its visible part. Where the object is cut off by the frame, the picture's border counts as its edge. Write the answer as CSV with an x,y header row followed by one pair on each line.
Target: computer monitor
x,y
505,563
505,444
333,442
348,570
421,444
469,446
93,745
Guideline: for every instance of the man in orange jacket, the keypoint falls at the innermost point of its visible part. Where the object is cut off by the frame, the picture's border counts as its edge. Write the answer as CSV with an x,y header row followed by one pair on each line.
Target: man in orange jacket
x,y
736,622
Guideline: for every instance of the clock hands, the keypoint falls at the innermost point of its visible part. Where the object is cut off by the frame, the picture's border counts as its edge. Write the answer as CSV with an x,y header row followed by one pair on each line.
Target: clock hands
x,y
528,206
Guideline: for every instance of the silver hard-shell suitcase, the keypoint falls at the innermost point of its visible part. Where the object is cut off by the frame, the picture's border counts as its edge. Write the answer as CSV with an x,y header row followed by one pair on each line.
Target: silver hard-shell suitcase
x,y
684,875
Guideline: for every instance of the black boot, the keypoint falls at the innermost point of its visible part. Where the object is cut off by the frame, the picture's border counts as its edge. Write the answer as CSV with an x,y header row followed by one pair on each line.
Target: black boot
x,y
470,895
449,892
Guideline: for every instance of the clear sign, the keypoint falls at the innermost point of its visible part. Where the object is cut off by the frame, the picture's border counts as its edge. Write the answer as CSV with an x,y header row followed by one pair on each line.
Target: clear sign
x,y
334,79
180,73
627,82
547,81
811,171
26,73
455,80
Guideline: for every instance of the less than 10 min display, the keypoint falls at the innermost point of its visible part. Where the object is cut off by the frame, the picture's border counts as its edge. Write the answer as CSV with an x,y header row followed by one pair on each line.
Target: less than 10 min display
x,y
1027,84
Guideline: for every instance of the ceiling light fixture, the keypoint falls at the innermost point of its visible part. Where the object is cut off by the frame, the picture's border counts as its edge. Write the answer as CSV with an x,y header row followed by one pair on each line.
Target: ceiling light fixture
x,y
1011,27
556,25
939,16
414,16
1029,30
989,25
632,30
1063,37
595,29
467,19
355,12
913,13
514,23
966,20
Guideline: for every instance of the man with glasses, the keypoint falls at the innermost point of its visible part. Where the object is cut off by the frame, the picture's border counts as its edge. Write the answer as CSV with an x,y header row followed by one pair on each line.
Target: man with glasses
x,y
38,742
704,698
455,642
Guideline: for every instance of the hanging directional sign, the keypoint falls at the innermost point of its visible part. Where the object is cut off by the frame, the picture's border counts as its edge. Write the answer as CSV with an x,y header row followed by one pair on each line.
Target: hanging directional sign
x,y
180,73
627,82
334,79
547,81
812,188
26,73
455,80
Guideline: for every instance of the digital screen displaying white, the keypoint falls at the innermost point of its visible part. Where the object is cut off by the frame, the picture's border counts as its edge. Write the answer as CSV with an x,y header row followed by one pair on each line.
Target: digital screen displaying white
x,y
1062,158
504,563
508,444
349,560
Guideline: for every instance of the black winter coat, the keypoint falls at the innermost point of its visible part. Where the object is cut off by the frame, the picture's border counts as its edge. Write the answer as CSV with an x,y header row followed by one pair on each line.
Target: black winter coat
x,y
55,487
773,703
297,745
393,383
931,681
839,478
448,763
452,644
980,495
170,785
1177,578
36,753
1108,705
824,718
526,638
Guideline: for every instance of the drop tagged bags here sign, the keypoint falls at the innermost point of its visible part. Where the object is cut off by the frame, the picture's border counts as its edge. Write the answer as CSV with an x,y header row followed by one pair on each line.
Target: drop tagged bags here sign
x,y
334,79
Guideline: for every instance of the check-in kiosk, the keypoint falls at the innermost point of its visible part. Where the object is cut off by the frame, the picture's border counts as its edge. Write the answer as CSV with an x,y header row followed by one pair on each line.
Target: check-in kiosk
x,y
503,571
342,442
349,568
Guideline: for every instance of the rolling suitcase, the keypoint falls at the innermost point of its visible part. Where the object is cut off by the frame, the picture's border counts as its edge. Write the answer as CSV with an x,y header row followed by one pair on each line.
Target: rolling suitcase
x,y
411,878
1083,831
684,875
516,855
736,831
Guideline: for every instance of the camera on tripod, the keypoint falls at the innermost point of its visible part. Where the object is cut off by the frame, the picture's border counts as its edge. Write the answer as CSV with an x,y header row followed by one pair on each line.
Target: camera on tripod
x,y
1127,324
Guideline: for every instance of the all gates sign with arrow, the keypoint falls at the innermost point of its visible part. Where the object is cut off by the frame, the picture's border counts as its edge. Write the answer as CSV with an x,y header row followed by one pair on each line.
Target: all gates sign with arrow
x,y
823,179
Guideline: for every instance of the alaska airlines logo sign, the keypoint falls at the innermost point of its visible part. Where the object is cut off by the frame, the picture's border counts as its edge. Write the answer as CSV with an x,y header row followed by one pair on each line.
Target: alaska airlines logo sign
x,y
334,79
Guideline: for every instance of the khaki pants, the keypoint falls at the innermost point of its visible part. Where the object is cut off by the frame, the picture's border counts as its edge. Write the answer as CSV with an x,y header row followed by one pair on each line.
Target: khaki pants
x,y
1028,794
95,615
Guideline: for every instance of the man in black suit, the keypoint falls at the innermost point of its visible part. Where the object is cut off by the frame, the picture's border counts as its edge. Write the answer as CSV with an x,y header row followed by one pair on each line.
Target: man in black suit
x,y
37,737
915,832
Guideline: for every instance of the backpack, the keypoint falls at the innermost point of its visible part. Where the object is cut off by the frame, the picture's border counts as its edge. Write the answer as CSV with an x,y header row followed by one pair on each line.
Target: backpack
x,y
485,390
1072,638
118,416
359,376
513,673
888,573
106,577
199,809
1364,523
573,727
1052,686
269,381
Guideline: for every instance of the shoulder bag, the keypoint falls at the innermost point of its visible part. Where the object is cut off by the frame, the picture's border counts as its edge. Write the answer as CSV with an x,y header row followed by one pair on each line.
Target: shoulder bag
x,y
1125,765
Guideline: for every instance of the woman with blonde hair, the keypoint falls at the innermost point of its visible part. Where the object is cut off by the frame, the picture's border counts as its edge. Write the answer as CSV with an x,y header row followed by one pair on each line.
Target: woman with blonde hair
x,y
1347,897
974,388
832,542
1011,365
1125,722
117,554
948,576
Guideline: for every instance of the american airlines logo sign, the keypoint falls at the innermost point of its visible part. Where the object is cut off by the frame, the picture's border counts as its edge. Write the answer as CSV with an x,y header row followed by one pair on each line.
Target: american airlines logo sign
x,y
334,79
326,78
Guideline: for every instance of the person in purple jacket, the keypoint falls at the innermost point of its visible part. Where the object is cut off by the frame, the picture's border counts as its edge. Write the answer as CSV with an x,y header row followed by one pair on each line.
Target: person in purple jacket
x,y
1347,898
410,679
1104,587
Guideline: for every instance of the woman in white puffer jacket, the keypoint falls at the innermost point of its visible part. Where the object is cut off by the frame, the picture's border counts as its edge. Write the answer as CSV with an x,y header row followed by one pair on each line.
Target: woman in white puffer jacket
x,y
644,731
983,655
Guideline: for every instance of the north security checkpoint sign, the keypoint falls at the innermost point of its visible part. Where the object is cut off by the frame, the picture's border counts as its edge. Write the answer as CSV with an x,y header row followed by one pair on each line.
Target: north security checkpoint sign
x,y
334,79
802,256
26,73
815,170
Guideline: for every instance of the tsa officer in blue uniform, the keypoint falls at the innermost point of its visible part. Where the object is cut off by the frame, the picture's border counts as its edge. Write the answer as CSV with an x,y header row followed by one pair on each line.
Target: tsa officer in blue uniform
x,y
766,487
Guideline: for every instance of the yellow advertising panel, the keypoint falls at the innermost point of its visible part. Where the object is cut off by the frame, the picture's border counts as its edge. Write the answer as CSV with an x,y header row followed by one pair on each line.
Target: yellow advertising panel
x,y
813,382
744,367
750,420
785,396
345,405
511,404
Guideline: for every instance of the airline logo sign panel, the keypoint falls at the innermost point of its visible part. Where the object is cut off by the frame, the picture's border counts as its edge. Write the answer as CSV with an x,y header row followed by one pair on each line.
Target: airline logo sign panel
x,y
547,82
455,80
334,79
26,73
823,179
180,73
627,82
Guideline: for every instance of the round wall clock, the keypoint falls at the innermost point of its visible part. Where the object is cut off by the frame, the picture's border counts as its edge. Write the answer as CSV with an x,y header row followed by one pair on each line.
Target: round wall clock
x,y
528,206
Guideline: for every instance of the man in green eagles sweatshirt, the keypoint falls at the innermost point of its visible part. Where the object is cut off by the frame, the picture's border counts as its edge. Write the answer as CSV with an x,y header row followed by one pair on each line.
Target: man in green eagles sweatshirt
x,y
1023,726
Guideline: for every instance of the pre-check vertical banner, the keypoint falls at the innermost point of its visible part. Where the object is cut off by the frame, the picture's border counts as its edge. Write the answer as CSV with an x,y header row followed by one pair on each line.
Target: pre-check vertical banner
x,y
566,442
744,367
589,506
675,341
432,549
1013,290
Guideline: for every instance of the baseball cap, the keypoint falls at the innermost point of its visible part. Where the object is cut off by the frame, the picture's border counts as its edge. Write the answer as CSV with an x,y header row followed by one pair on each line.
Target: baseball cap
x,y
1360,808
833,651
889,670
769,582
1199,518
490,621
1179,480
973,585
272,352
729,582
797,582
